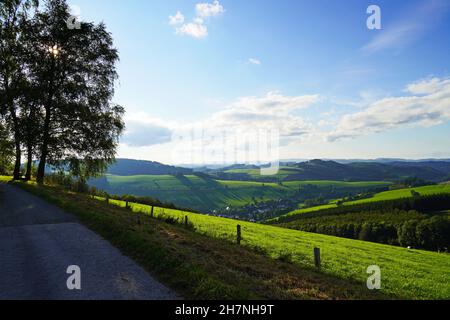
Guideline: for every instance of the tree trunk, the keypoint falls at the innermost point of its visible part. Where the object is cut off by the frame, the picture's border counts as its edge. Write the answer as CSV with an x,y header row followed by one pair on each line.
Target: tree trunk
x,y
18,155
44,150
29,162
12,111
41,168
17,164
46,134
30,141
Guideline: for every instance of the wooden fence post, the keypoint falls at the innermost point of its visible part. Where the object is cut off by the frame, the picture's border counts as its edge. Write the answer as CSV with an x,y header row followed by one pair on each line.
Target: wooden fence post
x,y
317,260
151,213
127,206
138,219
107,200
239,234
186,221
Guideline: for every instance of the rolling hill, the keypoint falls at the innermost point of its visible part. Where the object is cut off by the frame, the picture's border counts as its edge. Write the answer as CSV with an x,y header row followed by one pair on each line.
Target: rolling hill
x,y
202,193
353,171
415,217
431,170
242,186
128,167
382,196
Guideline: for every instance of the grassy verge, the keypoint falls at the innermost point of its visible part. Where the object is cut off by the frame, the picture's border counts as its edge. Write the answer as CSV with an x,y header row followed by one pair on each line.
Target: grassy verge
x,y
196,265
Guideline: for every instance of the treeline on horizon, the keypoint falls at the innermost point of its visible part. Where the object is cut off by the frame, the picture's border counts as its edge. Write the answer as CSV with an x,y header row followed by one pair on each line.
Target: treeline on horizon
x,y
409,222
57,80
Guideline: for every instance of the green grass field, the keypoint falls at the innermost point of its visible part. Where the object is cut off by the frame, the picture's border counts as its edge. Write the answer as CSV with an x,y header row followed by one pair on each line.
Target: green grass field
x,y
206,194
410,274
192,191
387,195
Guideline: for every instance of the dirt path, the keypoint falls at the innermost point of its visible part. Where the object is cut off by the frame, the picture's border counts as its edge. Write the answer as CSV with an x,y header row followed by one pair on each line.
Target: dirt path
x,y
39,241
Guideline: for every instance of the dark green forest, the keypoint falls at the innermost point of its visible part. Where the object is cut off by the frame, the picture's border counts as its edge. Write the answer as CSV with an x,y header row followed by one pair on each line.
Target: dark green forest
x,y
411,222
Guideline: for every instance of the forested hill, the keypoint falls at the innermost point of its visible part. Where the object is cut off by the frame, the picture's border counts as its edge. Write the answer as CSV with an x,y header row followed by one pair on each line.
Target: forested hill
x,y
429,170
367,171
127,167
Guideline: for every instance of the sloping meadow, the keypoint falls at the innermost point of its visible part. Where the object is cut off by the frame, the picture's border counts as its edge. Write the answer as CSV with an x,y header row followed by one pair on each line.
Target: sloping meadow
x,y
409,274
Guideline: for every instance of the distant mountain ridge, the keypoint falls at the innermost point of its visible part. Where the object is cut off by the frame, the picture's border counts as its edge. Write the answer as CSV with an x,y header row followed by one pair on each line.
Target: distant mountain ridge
x,y
241,167
431,170
370,171
129,167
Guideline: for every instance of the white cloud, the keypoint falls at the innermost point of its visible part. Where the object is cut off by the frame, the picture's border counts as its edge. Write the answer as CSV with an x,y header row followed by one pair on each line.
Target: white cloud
x,y
428,86
198,20
254,61
273,103
209,10
428,105
272,111
197,27
250,129
177,19
324,123
194,29
144,131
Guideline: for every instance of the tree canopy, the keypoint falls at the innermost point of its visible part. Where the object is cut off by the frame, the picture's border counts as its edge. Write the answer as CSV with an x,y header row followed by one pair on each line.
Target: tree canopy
x,y
57,85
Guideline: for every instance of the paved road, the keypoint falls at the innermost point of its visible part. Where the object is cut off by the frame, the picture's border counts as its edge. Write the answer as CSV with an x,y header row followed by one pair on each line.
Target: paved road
x,y
38,242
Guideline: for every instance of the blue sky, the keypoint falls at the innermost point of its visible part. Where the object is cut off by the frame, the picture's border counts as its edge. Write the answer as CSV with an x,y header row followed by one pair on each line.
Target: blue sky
x,y
311,69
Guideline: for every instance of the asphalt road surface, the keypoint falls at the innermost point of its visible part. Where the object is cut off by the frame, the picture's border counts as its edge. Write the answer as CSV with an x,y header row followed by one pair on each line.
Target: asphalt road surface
x,y
38,242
